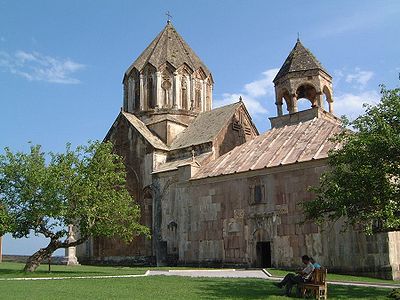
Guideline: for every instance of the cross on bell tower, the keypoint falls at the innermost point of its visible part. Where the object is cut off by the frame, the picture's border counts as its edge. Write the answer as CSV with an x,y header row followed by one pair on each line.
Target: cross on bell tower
x,y
169,17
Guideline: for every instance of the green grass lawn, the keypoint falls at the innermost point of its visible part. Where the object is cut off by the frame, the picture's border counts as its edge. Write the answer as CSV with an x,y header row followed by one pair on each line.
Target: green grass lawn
x,y
165,287
152,287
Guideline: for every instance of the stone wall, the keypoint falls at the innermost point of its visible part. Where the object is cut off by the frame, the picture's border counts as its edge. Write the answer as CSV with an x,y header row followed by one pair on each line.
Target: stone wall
x,y
223,221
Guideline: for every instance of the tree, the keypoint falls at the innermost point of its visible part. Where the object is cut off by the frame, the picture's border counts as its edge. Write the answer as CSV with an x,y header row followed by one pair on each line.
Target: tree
x,y
362,183
45,193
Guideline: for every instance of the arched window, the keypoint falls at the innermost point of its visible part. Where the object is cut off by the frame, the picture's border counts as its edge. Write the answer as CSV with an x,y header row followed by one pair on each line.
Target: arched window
x,y
150,95
166,86
197,96
184,94
137,93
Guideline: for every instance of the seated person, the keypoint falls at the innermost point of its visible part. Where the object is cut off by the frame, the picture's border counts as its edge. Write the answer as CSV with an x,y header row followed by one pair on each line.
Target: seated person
x,y
302,276
315,264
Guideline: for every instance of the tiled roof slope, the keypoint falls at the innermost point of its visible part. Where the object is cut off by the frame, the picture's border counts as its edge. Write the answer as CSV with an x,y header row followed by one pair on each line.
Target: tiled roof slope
x,y
169,47
299,59
286,145
144,131
205,127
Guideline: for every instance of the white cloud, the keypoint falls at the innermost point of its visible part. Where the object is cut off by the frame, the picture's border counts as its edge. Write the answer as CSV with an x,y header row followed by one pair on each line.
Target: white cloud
x,y
253,93
34,66
359,77
351,104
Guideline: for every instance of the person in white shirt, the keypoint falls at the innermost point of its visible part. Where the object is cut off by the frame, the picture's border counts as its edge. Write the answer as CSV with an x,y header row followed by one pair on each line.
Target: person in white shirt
x,y
302,276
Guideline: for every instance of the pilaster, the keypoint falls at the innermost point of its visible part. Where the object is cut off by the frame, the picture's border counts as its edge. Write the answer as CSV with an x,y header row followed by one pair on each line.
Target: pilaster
x,y
189,92
294,104
204,96
192,87
159,93
176,91
142,104
330,103
210,97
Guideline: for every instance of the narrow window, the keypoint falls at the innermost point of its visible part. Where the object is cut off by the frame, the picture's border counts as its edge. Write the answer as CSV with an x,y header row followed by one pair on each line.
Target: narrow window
x,y
257,194
150,97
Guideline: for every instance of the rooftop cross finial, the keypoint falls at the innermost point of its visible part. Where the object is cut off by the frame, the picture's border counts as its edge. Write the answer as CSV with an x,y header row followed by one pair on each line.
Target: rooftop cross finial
x,y
240,99
298,36
193,155
169,17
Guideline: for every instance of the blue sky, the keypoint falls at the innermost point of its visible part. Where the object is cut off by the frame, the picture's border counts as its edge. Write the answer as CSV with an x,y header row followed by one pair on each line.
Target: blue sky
x,y
62,62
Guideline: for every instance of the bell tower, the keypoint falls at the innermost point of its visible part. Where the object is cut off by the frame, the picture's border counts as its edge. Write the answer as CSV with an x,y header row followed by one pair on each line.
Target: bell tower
x,y
302,76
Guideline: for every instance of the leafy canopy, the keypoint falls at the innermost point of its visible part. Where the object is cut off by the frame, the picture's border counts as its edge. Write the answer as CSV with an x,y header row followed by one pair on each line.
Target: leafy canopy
x,y
44,193
363,181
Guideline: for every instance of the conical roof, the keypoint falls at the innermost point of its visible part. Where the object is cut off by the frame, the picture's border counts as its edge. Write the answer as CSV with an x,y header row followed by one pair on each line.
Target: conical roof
x,y
299,59
169,47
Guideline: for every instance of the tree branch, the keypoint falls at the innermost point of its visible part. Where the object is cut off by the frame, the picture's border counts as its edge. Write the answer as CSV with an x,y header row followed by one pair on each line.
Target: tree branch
x,y
79,241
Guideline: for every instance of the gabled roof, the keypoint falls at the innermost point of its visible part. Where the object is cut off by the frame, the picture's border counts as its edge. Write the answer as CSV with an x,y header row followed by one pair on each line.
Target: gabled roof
x,y
205,127
169,47
164,117
144,131
173,165
299,59
286,145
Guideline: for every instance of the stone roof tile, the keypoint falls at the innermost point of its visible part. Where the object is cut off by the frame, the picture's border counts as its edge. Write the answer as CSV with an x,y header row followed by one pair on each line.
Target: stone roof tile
x,y
205,127
299,59
145,132
286,145
169,47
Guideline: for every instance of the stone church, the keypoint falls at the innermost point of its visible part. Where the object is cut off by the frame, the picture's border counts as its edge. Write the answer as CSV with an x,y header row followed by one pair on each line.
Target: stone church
x,y
212,189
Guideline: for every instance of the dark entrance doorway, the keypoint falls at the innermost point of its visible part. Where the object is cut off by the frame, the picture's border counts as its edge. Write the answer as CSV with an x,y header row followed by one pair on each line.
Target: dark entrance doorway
x,y
263,250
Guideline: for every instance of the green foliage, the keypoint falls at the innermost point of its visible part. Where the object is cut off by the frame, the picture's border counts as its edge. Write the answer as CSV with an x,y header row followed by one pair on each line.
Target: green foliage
x,y
44,193
395,294
363,181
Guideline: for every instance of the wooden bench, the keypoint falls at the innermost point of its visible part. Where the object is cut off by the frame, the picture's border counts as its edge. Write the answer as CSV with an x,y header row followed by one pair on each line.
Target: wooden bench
x,y
317,285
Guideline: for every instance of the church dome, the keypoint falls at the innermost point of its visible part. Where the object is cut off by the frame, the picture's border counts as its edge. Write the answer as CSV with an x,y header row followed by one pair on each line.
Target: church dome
x,y
167,76
168,46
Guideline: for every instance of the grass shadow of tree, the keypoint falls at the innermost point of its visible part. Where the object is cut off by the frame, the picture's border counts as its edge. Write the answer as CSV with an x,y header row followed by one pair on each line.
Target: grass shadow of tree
x,y
356,292
209,288
9,272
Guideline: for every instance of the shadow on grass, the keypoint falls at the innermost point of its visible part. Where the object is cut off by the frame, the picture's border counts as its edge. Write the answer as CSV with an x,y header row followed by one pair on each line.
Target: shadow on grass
x,y
238,289
261,289
356,292
45,273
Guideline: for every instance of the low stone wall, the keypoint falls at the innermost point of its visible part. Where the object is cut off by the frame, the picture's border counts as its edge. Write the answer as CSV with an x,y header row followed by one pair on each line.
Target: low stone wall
x,y
119,261
55,260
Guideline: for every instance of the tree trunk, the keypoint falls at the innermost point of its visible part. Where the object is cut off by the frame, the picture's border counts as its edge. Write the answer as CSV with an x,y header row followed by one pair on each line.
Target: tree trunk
x,y
34,261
